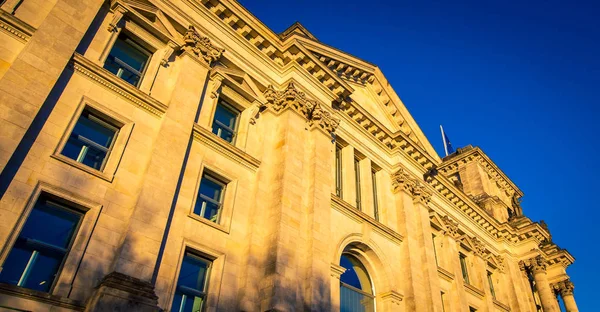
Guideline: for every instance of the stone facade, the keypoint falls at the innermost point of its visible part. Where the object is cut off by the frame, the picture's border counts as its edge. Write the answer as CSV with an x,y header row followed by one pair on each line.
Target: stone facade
x,y
326,162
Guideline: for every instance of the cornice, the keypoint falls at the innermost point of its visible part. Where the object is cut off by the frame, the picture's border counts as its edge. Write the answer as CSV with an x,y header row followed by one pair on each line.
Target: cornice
x,y
474,290
39,296
225,148
93,71
501,305
15,27
445,274
361,217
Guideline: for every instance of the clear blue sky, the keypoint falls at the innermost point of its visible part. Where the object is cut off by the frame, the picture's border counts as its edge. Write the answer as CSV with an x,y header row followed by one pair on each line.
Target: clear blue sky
x,y
520,79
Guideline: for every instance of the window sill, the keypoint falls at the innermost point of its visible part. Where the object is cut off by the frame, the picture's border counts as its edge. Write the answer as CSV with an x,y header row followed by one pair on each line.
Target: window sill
x,y
352,212
209,223
501,305
474,290
80,166
40,296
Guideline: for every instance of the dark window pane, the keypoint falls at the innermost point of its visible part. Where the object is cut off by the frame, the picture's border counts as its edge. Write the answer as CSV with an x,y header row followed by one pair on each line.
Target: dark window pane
x,y
209,198
41,247
349,277
210,188
191,284
90,141
224,123
127,60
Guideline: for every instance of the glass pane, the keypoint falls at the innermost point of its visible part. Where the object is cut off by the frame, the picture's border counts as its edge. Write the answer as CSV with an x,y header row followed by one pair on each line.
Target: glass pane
x,y
89,127
193,272
41,246
183,303
349,277
353,301
130,55
94,158
210,188
226,116
211,210
223,132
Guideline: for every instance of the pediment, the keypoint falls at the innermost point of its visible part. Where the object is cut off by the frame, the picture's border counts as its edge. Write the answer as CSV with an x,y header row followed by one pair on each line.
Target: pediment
x,y
240,82
296,29
466,242
436,222
150,14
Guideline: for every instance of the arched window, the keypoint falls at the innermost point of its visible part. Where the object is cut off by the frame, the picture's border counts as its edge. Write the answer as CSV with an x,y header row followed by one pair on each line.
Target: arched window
x,y
356,289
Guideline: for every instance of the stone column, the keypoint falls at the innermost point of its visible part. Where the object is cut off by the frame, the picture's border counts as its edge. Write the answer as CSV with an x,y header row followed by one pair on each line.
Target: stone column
x,y
148,226
537,266
414,275
27,83
565,288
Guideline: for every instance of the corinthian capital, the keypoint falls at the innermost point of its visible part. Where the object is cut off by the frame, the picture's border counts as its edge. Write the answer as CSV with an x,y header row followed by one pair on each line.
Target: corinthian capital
x,y
421,194
201,46
537,264
401,180
566,288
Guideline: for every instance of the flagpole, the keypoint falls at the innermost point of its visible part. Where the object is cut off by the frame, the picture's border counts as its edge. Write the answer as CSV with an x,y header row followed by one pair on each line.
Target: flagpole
x,y
444,140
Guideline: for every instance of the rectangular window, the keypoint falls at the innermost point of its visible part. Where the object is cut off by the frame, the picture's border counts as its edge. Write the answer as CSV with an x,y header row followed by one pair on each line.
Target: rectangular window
x,y
357,180
42,246
375,199
338,171
127,60
91,140
463,266
443,303
210,198
225,122
491,282
434,249
190,294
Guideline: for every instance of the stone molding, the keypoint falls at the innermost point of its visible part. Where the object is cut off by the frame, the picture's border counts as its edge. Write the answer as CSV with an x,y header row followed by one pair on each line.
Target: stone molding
x,y
564,288
201,46
225,148
501,305
296,100
497,261
392,296
337,270
479,247
474,291
91,70
40,296
402,180
445,274
536,264
14,27
451,227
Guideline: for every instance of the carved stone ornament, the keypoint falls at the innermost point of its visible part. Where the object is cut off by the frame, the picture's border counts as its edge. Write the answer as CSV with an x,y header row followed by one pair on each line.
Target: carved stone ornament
x,y
565,288
118,13
536,265
201,46
421,194
500,261
479,247
401,180
451,227
292,98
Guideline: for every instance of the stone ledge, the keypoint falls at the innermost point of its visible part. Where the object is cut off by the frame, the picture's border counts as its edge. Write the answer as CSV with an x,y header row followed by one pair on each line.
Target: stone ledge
x,y
474,291
501,305
443,273
216,143
343,207
93,71
40,296
15,27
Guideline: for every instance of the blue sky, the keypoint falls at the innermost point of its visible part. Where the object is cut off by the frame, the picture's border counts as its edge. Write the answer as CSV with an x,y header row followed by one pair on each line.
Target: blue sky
x,y
520,79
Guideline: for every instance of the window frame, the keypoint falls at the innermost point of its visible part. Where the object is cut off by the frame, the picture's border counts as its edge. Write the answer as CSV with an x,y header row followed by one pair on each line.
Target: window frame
x,y
490,278
89,210
357,183
375,195
464,267
232,108
217,180
121,138
339,191
197,293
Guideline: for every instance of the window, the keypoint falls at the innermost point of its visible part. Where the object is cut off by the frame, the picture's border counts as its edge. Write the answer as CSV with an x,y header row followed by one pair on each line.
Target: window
x,y
434,249
357,178
338,171
42,246
190,294
225,122
491,282
91,140
127,60
443,303
375,199
471,309
210,198
463,266
356,290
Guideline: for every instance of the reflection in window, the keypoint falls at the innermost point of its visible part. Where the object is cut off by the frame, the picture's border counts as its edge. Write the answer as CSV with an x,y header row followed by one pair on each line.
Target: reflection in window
x,y
463,267
210,198
225,122
338,171
90,141
40,249
356,290
127,60
190,294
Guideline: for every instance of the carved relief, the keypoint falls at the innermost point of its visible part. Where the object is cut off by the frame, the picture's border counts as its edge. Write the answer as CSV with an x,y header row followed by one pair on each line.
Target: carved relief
x,y
565,288
479,247
312,110
451,227
536,265
401,180
119,11
201,46
421,194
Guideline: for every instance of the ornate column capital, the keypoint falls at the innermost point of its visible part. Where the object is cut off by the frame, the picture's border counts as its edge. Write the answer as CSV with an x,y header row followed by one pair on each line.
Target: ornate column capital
x,y
565,288
200,46
118,11
401,180
420,193
451,227
311,110
536,264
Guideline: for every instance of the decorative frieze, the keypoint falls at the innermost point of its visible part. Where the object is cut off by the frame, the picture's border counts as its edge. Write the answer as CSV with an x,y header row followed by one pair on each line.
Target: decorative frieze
x,y
201,46
311,110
